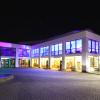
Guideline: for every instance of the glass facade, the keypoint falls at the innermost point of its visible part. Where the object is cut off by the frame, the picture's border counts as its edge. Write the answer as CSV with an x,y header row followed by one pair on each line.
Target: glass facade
x,y
35,52
93,46
74,46
24,52
44,51
4,51
56,49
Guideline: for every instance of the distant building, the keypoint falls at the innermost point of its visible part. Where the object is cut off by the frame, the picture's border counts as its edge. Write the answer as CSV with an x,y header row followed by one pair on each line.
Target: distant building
x,y
74,51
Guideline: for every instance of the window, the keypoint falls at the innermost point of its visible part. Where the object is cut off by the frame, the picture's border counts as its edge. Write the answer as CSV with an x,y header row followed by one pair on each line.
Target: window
x,y
35,52
60,48
44,51
93,46
52,50
41,52
78,46
97,47
56,49
89,46
72,46
67,47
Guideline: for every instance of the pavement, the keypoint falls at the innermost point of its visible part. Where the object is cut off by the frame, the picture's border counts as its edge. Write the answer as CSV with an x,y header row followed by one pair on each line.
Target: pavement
x,y
39,84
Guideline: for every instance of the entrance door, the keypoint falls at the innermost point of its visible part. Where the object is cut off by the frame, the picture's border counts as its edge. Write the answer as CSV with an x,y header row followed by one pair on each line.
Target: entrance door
x,y
35,62
12,62
78,63
56,63
70,64
93,63
44,63
24,63
5,63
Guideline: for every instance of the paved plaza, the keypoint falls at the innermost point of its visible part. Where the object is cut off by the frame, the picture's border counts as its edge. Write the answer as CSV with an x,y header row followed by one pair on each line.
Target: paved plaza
x,y
39,84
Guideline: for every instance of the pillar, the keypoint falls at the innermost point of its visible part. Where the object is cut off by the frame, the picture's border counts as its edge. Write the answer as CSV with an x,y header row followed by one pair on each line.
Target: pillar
x,y
49,57
30,57
39,59
17,64
0,61
63,55
84,54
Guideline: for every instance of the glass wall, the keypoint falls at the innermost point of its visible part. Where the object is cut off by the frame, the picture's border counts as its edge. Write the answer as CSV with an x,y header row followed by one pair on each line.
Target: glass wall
x,y
56,63
35,52
4,51
93,63
24,52
56,49
73,63
93,46
35,62
44,51
74,46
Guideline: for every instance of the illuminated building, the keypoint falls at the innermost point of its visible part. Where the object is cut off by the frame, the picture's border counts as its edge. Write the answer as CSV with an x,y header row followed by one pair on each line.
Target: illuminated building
x,y
73,51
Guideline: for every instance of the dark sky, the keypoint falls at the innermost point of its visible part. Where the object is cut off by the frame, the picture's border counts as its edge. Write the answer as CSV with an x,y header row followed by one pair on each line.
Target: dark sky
x,y
18,28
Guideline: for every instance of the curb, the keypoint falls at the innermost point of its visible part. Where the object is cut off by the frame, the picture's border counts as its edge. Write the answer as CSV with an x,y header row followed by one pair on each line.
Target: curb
x,y
6,78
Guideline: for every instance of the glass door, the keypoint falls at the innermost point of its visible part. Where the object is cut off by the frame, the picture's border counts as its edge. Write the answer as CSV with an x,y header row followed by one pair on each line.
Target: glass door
x,y
12,62
70,63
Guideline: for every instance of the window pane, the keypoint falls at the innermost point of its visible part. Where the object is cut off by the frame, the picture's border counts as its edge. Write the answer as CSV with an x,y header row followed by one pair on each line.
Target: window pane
x,y
67,45
33,53
56,47
78,46
93,46
72,46
60,46
52,48
41,50
89,43
97,45
78,43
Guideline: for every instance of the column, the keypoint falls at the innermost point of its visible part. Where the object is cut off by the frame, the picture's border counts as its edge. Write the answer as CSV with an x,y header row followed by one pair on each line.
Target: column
x,y
0,61
49,57
63,55
16,63
84,54
30,57
39,59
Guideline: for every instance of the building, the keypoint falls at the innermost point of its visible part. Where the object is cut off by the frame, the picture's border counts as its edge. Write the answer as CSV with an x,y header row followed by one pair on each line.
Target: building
x,y
74,51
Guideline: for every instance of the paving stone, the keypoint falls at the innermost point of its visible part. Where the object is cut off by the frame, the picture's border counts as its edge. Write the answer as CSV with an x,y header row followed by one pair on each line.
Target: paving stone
x,y
37,84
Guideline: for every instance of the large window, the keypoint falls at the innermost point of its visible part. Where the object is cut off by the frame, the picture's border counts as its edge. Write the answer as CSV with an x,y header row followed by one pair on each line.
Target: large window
x,y
56,49
5,51
93,46
35,52
24,52
44,51
74,46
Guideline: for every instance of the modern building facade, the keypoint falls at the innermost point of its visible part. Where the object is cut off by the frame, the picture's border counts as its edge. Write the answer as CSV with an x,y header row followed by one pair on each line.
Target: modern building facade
x,y
74,51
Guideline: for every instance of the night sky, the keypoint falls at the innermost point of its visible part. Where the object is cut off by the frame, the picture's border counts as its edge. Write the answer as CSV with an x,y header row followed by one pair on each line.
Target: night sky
x,y
20,28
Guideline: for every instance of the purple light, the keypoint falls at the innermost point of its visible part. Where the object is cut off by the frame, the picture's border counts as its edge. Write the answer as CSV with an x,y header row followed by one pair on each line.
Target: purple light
x,y
3,44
